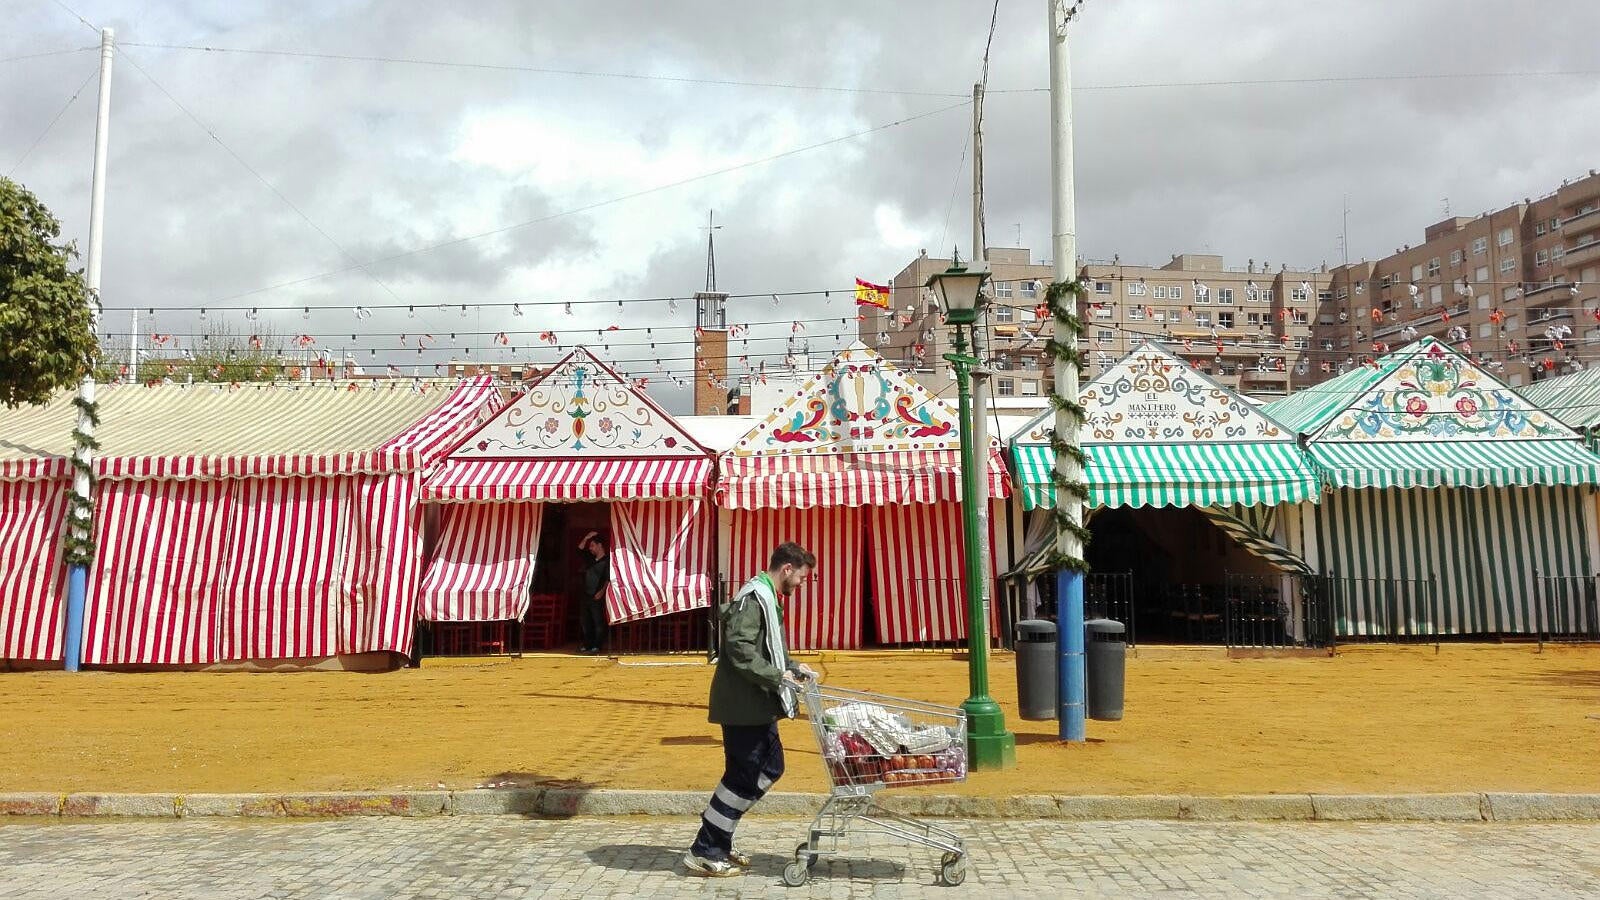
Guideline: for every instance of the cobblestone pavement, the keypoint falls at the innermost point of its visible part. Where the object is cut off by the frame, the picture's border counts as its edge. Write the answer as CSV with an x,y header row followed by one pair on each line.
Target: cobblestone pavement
x,y
494,857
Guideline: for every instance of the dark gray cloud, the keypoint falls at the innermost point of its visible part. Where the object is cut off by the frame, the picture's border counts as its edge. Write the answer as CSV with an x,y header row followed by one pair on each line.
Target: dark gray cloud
x,y
387,158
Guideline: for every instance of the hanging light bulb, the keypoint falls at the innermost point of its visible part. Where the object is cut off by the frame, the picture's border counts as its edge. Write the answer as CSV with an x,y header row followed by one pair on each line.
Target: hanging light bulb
x,y
566,308
305,312
202,313
516,309
411,312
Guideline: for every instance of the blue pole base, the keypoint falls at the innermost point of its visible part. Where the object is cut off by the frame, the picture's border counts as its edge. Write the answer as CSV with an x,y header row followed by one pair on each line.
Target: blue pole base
x,y
1070,680
77,590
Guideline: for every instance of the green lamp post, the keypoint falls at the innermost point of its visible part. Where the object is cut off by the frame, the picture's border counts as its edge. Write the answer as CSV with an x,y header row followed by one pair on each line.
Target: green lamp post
x,y
989,744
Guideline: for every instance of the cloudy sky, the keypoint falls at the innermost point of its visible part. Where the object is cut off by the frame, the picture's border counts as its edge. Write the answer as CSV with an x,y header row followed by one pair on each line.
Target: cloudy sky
x,y
284,181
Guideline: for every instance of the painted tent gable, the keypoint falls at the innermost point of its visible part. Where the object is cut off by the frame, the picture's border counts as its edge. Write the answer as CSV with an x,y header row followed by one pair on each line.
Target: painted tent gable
x,y
580,408
1151,397
858,403
1435,393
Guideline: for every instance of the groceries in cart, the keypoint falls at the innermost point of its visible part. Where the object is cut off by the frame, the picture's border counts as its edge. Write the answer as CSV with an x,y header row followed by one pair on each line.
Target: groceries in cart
x,y
866,743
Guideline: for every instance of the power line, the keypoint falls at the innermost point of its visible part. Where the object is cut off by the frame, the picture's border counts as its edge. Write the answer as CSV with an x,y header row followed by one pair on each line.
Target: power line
x,y
619,302
1327,79
45,54
545,70
59,113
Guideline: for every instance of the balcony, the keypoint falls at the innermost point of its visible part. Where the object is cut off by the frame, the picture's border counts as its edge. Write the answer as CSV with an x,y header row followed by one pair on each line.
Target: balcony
x,y
1586,252
1586,217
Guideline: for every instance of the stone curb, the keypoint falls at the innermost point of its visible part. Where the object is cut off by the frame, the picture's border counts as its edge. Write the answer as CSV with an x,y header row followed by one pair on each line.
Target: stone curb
x,y
568,802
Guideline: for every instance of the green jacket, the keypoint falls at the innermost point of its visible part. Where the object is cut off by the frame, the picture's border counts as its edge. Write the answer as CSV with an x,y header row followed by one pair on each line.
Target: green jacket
x,y
746,688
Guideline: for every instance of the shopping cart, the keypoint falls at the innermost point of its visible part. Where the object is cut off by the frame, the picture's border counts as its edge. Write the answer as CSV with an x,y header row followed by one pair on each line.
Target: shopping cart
x,y
870,742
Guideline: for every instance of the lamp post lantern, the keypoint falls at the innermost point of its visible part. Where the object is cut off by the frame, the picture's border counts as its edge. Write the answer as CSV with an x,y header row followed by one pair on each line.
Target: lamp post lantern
x,y
989,744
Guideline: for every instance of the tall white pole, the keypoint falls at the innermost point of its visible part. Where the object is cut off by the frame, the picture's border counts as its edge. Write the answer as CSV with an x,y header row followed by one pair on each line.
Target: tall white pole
x,y
980,348
1064,250
82,524
133,348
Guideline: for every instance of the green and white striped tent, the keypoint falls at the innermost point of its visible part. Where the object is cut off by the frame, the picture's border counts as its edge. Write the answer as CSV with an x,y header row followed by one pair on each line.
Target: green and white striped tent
x,y
1451,494
1573,399
1159,433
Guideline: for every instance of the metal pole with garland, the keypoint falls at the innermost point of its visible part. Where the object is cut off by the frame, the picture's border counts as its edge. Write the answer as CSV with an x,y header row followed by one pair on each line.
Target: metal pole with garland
x,y
1062,299
79,544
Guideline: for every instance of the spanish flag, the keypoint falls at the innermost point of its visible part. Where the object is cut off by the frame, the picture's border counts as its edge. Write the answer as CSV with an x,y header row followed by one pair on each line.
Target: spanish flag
x,y
869,294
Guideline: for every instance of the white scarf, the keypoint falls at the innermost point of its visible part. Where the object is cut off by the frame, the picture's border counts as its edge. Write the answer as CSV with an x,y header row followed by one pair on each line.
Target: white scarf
x,y
774,627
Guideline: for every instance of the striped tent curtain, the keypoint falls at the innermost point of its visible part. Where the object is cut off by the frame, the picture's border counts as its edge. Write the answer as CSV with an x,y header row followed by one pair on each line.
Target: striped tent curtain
x,y
152,589
918,565
383,565
1255,528
826,613
661,558
484,563
1447,560
33,516
279,580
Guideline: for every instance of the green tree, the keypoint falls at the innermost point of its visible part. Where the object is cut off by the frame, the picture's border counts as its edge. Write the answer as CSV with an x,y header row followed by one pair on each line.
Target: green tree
x,y
47,337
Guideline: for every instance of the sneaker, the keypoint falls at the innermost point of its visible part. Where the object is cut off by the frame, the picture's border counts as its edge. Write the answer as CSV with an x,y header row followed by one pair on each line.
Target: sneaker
x,y
709,868
742,860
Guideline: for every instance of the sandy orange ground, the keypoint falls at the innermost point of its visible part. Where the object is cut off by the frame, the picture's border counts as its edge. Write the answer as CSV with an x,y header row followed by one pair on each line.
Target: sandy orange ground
x,y
1368,719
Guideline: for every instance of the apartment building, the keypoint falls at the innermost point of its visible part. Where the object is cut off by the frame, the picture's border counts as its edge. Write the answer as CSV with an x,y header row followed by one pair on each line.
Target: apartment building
x,y
1249,327
1516,288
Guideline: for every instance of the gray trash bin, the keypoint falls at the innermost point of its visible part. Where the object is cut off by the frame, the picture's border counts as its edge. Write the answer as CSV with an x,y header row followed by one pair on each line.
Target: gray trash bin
x,y
1036,669
1105,662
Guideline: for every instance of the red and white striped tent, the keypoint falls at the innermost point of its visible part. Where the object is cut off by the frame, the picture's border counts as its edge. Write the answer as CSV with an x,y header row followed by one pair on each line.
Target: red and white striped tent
x,y
860,465
581,433
257,522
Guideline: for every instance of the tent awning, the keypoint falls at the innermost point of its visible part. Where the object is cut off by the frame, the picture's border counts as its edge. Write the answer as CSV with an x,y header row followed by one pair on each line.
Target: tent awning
x,y
1473,464
568,480
803,481
1238,474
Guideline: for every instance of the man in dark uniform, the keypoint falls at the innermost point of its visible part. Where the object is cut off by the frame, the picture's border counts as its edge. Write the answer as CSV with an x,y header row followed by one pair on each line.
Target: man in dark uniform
x,y
592,605
753,686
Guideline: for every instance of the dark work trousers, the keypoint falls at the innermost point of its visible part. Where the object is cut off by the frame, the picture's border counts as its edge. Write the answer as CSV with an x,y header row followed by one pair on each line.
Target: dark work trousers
x,y
592,622
753,758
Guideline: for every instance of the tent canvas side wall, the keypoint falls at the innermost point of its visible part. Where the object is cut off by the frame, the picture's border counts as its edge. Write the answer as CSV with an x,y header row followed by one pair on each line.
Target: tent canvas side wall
x,y
33,517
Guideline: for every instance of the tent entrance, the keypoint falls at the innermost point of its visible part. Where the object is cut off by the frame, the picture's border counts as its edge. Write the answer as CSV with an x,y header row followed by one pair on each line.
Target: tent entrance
x,y
1190,582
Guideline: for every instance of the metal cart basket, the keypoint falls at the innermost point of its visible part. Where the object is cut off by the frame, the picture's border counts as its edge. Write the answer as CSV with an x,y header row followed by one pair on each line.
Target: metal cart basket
x,y
870,742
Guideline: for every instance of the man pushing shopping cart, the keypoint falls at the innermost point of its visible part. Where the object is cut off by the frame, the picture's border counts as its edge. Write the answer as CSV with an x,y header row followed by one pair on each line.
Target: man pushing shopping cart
x,y
754,685
868,742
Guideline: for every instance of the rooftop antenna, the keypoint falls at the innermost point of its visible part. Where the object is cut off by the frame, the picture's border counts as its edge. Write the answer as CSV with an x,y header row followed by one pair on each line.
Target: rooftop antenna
x,y
1446,202
711,250
1019,234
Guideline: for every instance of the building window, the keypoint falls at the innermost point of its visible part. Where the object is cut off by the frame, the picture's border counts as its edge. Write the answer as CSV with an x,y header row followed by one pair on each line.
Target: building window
x,y
1102,287
1102,311
1030,289
1542,257
1511,323
1203,319
1508,294
1539,228
1554,224
1416,272
1341,294
1030,389
1006,387
1436,294
1225,320
1135,313
1455,257
1480,246
1297,316
1299,295
1253,320
1481,275
1503,238
1433,266
1507,265
1202,298
1324,296
1161,292
1175,292
1004,315
1159,315
1105,336
1386,281
1557,252
1225,296
1483,301
1002,289
1136,289
1266,295
1485,330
